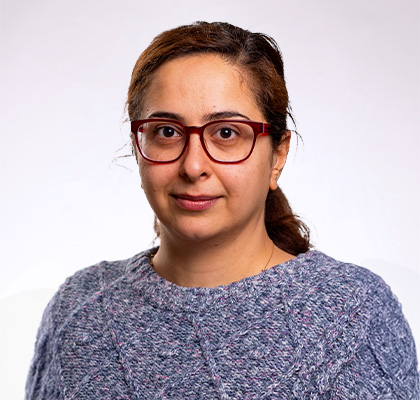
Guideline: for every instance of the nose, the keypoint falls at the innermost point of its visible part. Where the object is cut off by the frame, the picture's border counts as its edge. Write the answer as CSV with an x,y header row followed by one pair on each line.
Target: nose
x,y
195,164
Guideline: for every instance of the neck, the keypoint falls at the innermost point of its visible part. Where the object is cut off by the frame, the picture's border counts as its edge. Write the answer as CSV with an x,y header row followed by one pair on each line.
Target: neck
x,y
218,262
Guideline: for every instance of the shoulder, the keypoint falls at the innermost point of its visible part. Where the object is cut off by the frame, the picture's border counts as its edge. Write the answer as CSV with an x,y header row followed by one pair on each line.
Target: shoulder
x,y
89,283
333,286
75,309
322,266
324,280
350,315
85,290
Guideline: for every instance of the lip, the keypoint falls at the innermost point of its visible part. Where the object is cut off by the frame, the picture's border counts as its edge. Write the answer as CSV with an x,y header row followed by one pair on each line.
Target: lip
x,y
195,203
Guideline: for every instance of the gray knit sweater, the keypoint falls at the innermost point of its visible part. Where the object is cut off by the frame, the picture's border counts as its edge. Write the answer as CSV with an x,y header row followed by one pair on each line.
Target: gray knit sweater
x,y
311,328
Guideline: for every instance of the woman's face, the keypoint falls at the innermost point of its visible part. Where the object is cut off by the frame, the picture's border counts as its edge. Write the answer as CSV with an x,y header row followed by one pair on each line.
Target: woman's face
x,y
195,198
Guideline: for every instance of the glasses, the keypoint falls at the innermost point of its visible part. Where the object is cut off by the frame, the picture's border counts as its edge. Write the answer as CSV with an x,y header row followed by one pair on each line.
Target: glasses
x,y
224,141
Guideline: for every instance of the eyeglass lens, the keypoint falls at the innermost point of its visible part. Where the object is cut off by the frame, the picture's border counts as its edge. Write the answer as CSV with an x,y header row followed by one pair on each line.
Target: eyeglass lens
x,y
164,141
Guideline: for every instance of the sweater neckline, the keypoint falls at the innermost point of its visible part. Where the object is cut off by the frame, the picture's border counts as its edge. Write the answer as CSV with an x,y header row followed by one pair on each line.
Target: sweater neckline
x,y
166,295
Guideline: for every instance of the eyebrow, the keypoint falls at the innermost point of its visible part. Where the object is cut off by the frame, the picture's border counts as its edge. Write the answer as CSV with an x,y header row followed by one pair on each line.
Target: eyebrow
x,y
164,114
207,117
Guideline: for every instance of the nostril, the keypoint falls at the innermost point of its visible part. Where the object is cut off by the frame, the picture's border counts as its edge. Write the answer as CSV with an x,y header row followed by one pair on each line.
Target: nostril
x,y
195,163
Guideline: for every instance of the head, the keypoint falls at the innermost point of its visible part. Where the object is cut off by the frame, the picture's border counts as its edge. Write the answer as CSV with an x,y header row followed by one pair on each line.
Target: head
x,y
255,55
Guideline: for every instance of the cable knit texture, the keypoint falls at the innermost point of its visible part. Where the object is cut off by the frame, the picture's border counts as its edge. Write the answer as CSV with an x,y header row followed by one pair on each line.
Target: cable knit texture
x,y
311,328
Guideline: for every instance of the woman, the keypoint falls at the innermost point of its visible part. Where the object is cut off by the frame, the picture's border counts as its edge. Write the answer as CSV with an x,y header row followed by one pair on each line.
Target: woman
x,y
232,304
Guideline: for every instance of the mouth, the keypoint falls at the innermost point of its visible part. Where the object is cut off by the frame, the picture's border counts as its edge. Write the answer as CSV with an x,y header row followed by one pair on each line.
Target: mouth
x,y
195,203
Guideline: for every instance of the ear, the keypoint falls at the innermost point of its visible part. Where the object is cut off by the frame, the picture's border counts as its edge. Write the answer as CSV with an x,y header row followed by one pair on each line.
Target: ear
x,y
279,159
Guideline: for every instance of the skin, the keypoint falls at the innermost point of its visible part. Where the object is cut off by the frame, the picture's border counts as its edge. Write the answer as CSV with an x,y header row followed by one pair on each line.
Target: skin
x,y
211,215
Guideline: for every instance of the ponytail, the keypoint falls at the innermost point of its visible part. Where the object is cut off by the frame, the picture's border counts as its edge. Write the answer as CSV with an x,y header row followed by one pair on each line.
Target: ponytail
x,y
283,227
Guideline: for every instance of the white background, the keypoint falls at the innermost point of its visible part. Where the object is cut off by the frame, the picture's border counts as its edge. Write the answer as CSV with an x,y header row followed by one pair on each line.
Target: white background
x,y
353,73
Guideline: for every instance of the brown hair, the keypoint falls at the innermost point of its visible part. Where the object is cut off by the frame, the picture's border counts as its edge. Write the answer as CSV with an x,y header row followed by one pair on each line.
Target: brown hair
x,y
259,56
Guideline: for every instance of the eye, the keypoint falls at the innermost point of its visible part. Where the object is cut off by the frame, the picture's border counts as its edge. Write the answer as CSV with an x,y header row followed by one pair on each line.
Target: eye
x,y
226,133
167,131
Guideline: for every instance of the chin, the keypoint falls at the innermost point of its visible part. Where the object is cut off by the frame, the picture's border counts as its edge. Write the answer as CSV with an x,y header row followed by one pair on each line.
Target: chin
x,y
192,232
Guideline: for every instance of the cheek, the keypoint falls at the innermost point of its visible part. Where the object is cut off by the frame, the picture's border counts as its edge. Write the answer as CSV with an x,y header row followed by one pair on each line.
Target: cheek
x,y
250,182
149,179
156,178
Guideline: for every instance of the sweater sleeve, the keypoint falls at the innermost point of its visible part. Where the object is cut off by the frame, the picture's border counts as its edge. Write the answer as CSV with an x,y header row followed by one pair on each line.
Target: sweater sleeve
x,y
385,366
42,381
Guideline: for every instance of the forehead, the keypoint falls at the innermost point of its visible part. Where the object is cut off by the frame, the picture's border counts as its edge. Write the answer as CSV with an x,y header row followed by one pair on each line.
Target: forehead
x,y
200,84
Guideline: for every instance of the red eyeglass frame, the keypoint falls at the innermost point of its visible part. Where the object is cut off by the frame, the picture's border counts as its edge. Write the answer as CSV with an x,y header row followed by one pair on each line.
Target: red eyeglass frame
x,y
259,129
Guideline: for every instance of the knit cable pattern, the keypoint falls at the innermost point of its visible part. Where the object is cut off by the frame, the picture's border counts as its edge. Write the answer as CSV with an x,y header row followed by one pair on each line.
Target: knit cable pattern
x,y
311,328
